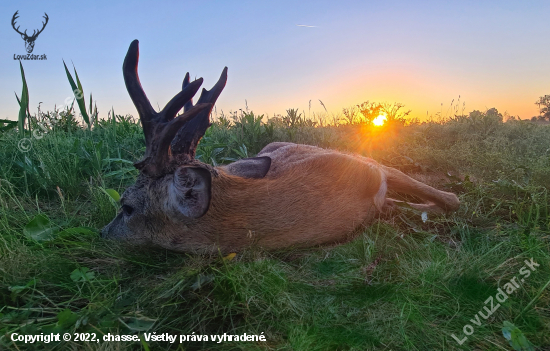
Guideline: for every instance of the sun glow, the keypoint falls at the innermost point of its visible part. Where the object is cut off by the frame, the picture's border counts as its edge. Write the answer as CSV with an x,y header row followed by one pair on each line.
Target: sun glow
x,y
378,121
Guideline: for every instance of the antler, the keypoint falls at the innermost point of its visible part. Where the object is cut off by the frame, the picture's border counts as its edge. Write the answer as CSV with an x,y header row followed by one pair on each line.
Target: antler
x,y
43,26
13,23
186,141
160,128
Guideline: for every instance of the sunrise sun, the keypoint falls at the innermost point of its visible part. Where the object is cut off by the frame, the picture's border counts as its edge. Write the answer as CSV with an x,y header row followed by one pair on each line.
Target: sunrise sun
x,y
378,121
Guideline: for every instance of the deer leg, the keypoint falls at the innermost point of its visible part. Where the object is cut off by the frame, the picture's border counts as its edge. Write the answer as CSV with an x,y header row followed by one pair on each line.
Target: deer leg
x,y
400,182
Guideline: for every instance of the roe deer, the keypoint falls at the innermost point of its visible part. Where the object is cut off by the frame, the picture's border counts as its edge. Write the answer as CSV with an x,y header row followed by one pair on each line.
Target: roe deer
x,y
289,195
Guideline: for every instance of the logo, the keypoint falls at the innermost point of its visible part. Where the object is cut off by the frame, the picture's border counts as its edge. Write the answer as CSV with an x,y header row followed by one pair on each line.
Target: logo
x,y
29,39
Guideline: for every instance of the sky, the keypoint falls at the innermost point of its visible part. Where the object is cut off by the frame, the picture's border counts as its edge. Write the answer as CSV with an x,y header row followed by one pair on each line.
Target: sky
x,y
423,54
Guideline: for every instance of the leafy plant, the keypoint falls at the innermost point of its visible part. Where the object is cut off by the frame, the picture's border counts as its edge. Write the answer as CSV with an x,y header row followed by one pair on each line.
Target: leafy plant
x,y
516,338
39,228
93,112
249,130
23,103
82,274
79,94
293,118
544,107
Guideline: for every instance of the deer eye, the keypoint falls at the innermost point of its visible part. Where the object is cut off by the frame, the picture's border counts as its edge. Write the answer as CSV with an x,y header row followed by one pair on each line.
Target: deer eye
x,y
127,210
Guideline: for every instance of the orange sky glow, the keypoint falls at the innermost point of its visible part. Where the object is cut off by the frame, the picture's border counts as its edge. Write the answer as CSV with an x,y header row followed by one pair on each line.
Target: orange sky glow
x,y
285,54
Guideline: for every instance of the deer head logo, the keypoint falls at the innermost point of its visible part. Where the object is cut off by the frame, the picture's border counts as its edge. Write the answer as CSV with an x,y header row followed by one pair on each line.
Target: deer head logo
x,y
29,40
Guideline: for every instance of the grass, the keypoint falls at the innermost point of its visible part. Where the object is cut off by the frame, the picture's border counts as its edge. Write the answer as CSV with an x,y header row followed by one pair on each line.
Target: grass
x,y
400,284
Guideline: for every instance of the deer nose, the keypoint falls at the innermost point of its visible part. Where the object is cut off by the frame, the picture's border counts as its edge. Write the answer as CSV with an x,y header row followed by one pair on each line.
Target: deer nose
x,y
108,229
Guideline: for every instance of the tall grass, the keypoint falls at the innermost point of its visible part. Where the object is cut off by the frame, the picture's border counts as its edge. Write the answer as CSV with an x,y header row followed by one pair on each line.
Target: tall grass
x,y
402,284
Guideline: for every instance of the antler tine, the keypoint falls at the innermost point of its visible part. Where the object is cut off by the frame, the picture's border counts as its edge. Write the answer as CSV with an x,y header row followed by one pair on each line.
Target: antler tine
x,y
15,16
43,23
188,137
213,94
146,112
181,99
189,104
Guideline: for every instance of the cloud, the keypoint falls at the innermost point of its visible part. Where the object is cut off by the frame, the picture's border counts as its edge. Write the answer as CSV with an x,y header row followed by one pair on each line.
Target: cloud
x,y
305,25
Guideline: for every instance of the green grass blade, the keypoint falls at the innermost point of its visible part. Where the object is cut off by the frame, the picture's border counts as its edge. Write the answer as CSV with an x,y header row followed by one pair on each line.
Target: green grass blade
x,y
71,81
535,298
19,102
23,103
82,105
93,117
79,94
17,97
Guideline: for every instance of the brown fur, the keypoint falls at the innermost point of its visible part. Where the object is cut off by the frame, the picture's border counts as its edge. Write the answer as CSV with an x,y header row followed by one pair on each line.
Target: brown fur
x,y
284,209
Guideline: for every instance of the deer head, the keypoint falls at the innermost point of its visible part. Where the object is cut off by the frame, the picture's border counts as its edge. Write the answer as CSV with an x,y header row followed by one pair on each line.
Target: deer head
x,y
172,185
29,40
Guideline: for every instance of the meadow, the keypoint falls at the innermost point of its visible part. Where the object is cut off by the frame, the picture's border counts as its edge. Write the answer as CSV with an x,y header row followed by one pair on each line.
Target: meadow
x,y
406,282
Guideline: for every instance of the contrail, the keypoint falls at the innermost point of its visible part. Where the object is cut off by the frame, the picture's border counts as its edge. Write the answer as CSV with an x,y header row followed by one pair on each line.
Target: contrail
x,y
304,25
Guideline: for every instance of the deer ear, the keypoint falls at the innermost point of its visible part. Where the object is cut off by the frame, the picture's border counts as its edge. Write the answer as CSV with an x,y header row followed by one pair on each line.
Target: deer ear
x,y
190,191
255,167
